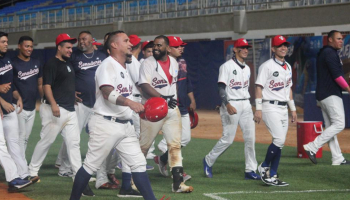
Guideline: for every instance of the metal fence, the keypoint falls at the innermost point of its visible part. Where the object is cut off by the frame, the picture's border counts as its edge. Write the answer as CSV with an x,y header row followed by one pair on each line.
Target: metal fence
x,y
136,10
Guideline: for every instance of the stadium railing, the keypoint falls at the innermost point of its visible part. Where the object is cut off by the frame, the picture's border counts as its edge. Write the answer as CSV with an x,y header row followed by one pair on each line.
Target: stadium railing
x,y
108,11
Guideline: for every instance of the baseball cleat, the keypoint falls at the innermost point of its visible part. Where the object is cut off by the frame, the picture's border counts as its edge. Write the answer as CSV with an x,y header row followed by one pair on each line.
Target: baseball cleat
x,y
207,170
311,154
182,188
109,186
162,166
186,177
275,181
344,162
252,176
17,184
129,193
113,179
264,174
66,175
149,167
88,192
33,179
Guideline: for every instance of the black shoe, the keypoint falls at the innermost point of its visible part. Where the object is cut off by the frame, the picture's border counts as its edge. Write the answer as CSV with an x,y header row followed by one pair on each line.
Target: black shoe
x,y
275,181
88,192
128,193
311,155
345,162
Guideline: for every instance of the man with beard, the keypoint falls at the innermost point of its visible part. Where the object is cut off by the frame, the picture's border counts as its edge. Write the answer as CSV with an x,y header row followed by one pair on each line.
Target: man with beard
x,y
330,82
27,77
158,78
186,99
14,176
57,111
111,125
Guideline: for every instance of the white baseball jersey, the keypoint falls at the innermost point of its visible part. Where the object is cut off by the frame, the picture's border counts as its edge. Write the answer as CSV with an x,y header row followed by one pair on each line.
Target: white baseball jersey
x,y
141,60
151,72
276,80
134,71
111,73
236,80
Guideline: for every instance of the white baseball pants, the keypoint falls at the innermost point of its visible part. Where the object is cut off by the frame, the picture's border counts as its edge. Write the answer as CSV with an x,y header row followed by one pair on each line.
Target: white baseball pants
x,y
106,135
108,167
67,124
243,118
186,133
276,119
6,161
10,127
84,114
334,117
171,128
25,125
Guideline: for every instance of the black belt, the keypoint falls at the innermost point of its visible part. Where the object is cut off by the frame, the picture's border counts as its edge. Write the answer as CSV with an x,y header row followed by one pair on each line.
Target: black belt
x,y
122,121
237,99
280,103
137,95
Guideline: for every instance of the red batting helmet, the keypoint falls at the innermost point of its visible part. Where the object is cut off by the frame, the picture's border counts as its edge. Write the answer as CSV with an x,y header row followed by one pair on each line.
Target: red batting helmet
x,y
193,118
156,109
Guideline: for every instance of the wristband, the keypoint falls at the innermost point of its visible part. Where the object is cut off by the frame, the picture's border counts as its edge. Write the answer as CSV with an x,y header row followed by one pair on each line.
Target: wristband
x,y
291,105
113,96
258,104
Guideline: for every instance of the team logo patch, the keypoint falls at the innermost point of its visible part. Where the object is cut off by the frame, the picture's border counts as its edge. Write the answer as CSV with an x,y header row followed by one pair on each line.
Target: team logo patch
x,y
275,74
97,58
121,74
68,68
36,66
234,72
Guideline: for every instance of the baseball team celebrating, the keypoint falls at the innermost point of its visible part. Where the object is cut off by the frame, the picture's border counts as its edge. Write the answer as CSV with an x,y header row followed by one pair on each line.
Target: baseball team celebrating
x,y
105,91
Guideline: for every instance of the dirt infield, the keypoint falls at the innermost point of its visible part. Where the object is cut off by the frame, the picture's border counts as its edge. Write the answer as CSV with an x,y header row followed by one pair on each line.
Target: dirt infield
x,y
10,196
209,127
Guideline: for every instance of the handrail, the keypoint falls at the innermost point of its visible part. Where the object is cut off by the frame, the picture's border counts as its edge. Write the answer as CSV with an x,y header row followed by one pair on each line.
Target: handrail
x,y
136,10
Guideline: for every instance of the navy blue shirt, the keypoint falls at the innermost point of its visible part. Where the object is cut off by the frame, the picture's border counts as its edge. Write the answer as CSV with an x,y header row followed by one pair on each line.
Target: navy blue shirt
x,y
184,87
25,78
329,67
60,75
85,67
6,76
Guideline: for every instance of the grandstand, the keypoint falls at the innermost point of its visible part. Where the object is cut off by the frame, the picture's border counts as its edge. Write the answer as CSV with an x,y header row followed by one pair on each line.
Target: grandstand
x,y
46,14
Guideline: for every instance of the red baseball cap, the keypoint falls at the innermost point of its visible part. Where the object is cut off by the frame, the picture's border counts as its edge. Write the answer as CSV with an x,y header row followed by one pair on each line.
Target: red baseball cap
x,y
134,39
183,43
278,40
145,43
174,41
95,42
241,42
65,37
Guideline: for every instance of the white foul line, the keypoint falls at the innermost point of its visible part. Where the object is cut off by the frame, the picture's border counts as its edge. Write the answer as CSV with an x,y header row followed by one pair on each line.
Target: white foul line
x,y
217,197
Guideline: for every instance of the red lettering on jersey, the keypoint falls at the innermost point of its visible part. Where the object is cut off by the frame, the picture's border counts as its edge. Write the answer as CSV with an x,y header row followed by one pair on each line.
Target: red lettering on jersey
x,y
276,86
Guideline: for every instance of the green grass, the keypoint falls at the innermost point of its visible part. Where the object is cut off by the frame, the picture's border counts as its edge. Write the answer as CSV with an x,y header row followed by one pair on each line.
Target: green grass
x,y
228,175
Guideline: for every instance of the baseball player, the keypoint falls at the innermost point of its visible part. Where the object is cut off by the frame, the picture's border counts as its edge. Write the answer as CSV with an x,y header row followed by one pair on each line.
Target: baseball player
x,y
158,78
233,83
85,61
273,93
27,77
10,111
147,47
111,125
10,167
57,110
330,82
185,98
